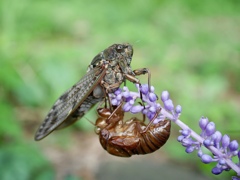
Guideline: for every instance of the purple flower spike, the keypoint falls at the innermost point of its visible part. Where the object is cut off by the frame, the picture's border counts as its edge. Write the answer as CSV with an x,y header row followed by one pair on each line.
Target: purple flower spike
x,y
225,141
152,97
233,146
203,123
210,129
206,158
168,104
165,96
136,109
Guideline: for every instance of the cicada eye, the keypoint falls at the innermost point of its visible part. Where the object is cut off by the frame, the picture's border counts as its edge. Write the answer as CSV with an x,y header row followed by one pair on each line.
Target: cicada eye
x,y
120,48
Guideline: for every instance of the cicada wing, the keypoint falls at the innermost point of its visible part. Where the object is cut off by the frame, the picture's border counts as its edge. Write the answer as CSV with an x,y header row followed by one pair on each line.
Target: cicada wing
x,y
68,103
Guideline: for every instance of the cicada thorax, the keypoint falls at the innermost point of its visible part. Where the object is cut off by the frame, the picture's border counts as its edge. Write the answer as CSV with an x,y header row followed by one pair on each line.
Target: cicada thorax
x,y
133,136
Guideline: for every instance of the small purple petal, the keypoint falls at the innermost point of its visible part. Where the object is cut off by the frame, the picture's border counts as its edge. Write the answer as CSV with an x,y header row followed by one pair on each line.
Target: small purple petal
x,y
187,142
239,154
168,104
127,107
165,96
152,109
150,115
152,97
225,141
233,146
125,88
203,123
144,89
119,97
131,102
180,138
114,102
210,129
190,149
178,109
216,170
118,91
136,109
126,94
206,158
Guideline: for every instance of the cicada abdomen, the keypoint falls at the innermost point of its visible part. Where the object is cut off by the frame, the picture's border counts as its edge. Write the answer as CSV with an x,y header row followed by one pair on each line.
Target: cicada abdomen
x,y
133,136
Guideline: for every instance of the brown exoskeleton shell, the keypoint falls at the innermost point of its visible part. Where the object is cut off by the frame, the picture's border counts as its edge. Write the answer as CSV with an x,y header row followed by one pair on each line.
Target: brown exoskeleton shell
x,y
126,138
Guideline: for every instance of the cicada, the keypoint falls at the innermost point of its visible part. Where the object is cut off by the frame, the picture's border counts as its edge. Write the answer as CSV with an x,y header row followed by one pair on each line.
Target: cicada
x,y
107,71
130,137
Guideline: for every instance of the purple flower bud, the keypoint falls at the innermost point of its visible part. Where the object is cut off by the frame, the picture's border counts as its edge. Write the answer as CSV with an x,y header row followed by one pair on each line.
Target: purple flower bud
x,y
235,178
200,153
152,109
222,162
180,138
150,115
136,109
207,142
118,91
210,129
165,96
239,154
119,97
189,149
114,102
216,170
233,146
144,89
185,132
152,89
129,98
152,97
187,142
178,109
126,94
203,123
127,107
206,158
217,137
131,102
125,88
168,104
225,141
145,111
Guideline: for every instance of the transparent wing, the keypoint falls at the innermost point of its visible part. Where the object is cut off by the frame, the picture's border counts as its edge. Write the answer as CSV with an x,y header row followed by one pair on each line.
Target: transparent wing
x,y
70,101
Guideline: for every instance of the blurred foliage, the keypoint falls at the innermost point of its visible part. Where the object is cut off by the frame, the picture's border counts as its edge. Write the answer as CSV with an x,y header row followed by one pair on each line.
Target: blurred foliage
x,y
191,47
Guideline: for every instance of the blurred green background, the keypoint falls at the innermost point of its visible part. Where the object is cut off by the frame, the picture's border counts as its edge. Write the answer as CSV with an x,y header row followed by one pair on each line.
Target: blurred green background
x,y
191,47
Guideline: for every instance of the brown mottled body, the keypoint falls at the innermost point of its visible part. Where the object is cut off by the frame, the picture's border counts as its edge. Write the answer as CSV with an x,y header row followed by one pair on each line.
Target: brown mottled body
x,y
131,137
